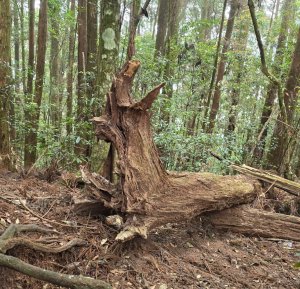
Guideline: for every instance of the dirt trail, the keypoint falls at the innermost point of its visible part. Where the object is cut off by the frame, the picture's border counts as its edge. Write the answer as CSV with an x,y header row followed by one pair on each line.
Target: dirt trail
x,y
175,256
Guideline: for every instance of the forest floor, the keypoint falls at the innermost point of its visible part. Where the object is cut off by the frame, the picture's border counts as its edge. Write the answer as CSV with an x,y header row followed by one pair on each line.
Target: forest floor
x,y
187,255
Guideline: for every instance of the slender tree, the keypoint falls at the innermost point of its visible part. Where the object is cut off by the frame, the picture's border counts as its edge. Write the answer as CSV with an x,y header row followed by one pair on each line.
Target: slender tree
x,y
272,90
23,45
162,24
31,149
82,148
91,66
239,47
108,50
215,67
221,67
29,87
284,134
5,79
17,46
72,32
55,110
30,69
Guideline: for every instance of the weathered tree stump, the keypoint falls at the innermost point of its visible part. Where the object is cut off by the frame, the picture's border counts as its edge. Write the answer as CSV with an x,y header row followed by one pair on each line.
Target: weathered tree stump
x,y
145,190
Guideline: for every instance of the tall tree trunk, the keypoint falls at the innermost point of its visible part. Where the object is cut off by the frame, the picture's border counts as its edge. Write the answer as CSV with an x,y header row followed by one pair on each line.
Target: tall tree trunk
x,y
162,24
81,146
280,157
108,50
272,89
213,76
29,88
23,46
5,79
221,67
239,48
134,14
55,110
72,33
175,10
17,46
91,66
16,37
31,153
30,70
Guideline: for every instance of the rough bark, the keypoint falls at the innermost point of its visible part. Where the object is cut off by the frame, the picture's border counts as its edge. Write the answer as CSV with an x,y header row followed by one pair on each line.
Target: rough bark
x,y
5,79
221,67
162,22
29,87
81,147
254,222
239,47
23,45
17,46
30,70
175,10
91,66
34,115
149,194
71,49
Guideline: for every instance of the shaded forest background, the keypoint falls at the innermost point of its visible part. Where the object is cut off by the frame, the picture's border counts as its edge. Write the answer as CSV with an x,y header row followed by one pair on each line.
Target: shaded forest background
x,y
222,95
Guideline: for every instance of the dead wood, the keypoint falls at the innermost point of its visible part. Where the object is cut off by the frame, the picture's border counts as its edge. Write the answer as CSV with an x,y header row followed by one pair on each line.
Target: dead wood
x,y
9,241
146,191
254,222
277,181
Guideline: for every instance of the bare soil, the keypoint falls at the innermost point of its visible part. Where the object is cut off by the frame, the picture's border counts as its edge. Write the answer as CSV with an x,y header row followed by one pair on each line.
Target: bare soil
x,y
190,255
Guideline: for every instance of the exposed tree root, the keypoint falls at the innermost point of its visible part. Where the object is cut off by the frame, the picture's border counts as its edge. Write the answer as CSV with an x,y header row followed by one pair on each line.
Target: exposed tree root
x,y
255,222
8,241
69,281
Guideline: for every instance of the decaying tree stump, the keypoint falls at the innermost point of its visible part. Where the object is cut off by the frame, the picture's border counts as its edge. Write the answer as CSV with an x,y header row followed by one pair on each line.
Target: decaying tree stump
x,y
146,192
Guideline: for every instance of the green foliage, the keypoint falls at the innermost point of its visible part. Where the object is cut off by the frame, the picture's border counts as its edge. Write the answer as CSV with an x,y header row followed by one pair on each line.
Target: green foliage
x,y
177,114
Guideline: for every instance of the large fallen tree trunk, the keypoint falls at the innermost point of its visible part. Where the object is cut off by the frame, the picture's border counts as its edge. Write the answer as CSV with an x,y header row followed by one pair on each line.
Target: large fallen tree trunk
x,y
254,222
147,194
145,190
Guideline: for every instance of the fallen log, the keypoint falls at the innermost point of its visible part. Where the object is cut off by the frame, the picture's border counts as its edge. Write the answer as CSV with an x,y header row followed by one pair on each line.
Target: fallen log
x,y
277,181
254,222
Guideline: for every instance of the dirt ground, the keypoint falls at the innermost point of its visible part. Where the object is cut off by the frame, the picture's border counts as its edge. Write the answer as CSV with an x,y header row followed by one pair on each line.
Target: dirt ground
x,y
177,256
